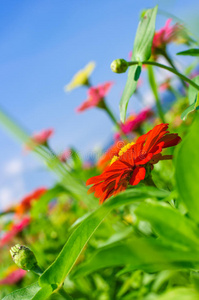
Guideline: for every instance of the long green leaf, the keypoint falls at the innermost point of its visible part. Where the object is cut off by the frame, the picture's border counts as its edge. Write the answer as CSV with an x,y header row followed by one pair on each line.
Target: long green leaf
x,y
43,293
63,264
170,225
141,51
26,293
190,52
187,170
138,253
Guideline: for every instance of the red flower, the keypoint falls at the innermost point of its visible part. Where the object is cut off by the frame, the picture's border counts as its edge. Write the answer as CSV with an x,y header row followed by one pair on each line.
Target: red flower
x,y
95,96
106,158
26,202
129,167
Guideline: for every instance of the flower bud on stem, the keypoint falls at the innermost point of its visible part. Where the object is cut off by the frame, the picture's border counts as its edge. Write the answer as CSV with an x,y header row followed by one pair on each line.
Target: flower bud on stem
x,y
25,259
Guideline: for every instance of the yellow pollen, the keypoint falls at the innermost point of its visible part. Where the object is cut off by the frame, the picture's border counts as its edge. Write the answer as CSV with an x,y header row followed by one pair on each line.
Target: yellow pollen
x,y
121,152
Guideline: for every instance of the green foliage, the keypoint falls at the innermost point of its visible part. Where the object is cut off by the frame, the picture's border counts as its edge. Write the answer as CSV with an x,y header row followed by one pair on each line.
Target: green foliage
x,y
141,52
26,293
187,174
189,52
193,99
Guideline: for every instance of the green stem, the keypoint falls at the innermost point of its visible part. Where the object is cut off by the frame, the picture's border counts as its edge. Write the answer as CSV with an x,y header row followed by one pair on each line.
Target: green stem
x,y
167,57
153,63
37,270
63,293
112,117
154,88
149,181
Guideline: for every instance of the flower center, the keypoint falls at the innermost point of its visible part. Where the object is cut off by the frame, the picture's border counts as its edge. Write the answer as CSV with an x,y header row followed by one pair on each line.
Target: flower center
x,y
121,152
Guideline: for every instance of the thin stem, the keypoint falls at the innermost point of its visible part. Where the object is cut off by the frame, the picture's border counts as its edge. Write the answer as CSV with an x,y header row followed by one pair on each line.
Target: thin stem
x,y
112,117
37,270
154,88
153,63
168,58
149,181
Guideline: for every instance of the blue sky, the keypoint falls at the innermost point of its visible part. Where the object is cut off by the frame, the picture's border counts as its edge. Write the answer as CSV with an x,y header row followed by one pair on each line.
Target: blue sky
x,y
43,43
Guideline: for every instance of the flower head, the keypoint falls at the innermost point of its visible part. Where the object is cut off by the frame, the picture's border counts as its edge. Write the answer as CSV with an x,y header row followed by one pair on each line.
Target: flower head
x,y
95,96
129,166
39,138
14,230
167,34
65,155
106,158
81,77
12,276
134,122
27,201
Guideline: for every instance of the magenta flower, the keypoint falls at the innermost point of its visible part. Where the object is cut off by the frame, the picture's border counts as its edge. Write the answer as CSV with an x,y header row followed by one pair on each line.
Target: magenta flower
x,y
133,122
12,276
14,230
166,35
95,96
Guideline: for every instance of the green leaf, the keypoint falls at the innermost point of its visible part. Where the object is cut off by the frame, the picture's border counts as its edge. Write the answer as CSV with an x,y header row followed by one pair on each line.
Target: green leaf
x,y
144,35
170,225
146,254
141,51
190,52
26,293
63,264
181,293
193,97
187,171
43,293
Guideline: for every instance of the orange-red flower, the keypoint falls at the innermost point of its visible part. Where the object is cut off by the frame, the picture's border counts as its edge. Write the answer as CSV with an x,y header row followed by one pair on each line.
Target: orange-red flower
x,y
129,167
26,202
106,158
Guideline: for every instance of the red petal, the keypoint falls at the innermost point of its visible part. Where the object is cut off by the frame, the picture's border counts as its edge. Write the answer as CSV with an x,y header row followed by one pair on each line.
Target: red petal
x,y
138,175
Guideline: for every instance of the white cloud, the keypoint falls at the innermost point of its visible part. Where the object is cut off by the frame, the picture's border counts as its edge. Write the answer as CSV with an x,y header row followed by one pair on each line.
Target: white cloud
x,y
14,167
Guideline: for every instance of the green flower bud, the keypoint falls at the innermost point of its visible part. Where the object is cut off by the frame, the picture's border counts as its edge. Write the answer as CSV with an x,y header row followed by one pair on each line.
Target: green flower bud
x,y
23,257
119,65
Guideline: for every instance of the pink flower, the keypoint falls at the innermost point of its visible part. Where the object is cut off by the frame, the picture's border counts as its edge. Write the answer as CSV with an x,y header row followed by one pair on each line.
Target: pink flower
x,y
135,121
39,138
95,96
15,229
165,35
65,155
12,276
42,136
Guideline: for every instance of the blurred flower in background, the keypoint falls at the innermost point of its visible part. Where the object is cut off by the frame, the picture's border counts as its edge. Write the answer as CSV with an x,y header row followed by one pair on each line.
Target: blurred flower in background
x,y
96,96
81,77
12,275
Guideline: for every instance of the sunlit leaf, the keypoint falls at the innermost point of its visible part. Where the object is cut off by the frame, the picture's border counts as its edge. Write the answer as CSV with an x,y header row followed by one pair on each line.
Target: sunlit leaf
x,y
63,264
26,293
141,52
187,171
163,219
193,98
